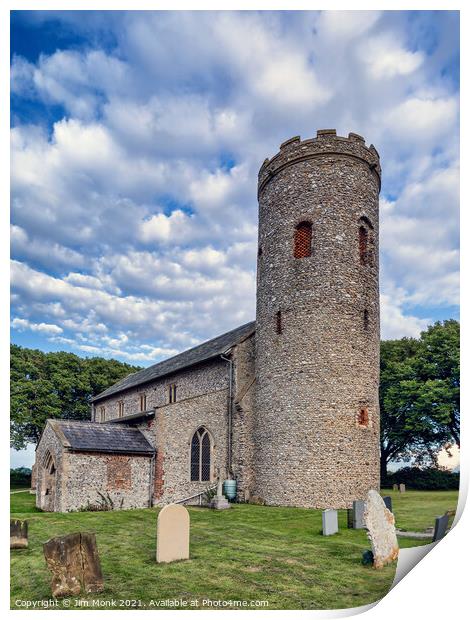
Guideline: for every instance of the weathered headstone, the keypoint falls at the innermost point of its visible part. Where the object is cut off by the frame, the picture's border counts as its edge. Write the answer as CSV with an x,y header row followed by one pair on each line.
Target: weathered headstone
x,y
388,502
74,563
380,524
402,488
329,520
358,514
18,534
440,527
395,487
172,533
219,501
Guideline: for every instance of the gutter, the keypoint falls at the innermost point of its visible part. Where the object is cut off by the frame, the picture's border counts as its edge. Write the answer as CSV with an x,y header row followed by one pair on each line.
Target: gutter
x,y
229,412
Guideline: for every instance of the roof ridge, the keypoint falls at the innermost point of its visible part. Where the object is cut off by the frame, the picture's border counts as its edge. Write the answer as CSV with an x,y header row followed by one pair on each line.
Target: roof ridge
x,y
202,352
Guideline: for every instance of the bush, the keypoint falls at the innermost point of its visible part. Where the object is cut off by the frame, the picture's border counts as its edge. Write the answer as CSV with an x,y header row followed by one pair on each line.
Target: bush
x,y
20,477
427,479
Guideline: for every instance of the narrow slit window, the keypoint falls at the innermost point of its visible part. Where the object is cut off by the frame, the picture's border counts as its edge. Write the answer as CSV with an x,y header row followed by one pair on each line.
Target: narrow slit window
x,y
172,393
102,414
366,320
143,402
363,242
121,408
278,322
303,240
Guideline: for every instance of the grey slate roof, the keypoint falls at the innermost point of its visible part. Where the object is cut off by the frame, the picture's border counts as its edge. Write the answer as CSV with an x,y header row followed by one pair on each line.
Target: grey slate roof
x,y
201,353
96,437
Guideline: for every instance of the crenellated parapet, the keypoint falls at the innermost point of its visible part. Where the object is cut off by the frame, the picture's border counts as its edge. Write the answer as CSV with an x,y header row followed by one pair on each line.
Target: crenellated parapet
x,y
327,142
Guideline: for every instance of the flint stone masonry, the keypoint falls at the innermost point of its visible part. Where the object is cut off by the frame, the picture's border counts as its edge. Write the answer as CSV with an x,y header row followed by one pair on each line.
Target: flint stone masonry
x,y
380,524
289,402
18,534
74,563
173,533
314,377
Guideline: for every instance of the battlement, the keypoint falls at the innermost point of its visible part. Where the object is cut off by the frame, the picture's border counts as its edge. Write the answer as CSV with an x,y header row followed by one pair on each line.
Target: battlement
x,y
325,143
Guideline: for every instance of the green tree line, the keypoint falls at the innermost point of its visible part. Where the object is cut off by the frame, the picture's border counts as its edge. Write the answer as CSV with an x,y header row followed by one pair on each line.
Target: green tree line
x,y
419,392
54,385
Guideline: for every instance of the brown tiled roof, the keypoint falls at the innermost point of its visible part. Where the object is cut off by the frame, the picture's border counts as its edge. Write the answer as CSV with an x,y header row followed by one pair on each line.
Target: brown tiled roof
x,y
96,437
201,353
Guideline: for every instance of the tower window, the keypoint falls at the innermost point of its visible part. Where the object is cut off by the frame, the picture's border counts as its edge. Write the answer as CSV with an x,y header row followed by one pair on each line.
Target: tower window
x,y
363,417
260,252
121,408
200,456
303,240
366,320
102,414
143,402
278,322
172,393
363,239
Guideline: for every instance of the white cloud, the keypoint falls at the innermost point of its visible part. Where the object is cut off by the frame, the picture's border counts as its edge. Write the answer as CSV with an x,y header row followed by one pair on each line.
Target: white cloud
x,y
44,328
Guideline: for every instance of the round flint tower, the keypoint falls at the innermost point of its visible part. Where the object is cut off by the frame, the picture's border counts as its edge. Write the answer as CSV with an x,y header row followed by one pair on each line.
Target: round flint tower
x,y
317,323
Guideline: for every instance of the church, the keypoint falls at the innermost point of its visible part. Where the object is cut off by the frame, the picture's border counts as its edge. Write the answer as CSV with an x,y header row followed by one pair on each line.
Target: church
x,y
285,406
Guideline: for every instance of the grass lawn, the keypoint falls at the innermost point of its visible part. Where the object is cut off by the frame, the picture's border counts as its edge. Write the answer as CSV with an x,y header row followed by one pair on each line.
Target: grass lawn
x,y
248,553
415,511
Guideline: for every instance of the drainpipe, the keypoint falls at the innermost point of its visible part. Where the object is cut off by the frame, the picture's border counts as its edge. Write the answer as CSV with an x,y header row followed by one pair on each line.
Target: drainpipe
x,y
152,469
229,414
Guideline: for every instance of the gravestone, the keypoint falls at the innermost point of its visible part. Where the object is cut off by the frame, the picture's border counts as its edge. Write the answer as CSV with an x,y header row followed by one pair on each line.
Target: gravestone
x,y
74,563
350,513
329,520
380,524
172,533
219,501
440,527
358,514
402,488
395,487
18,534
388,502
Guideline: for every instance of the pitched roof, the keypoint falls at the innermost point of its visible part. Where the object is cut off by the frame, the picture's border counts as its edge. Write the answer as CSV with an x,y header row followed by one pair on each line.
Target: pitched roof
x,y
96,437
201,353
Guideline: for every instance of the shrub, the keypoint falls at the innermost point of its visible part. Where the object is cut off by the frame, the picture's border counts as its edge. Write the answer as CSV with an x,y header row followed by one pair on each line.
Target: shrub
x,y
426,479
21,476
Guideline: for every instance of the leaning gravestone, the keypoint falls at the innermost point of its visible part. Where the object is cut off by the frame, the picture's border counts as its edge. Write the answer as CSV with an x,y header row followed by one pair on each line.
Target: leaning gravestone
x,y
172,533
388,502
74,563
402,488
380,524
329,520
18,534
440,527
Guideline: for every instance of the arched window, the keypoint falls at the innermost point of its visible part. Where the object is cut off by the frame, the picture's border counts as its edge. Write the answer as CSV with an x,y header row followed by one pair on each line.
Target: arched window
x,y
363,239
48,462
303,240
200,456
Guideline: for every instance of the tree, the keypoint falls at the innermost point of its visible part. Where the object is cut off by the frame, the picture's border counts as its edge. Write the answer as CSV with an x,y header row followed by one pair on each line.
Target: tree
x,y
55,385
419,395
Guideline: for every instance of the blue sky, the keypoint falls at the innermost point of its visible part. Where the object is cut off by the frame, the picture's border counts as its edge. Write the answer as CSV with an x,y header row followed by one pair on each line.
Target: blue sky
x,y
136,140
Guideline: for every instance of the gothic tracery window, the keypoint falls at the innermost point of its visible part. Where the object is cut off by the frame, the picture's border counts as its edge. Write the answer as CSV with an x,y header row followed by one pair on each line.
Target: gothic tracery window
x,y
201,456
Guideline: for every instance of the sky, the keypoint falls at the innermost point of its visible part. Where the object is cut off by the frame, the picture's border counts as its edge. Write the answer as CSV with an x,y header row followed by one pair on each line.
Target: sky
x,y
136,139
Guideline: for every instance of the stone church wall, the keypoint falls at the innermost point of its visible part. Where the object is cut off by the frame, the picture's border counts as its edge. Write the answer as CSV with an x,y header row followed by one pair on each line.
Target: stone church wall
x,y
49,487
124,479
